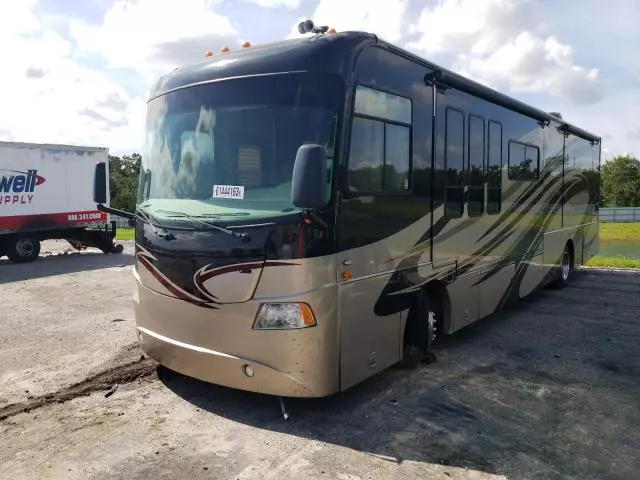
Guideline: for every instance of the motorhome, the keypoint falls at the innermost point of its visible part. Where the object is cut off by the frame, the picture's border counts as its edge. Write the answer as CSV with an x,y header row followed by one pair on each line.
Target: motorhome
x,y
313,211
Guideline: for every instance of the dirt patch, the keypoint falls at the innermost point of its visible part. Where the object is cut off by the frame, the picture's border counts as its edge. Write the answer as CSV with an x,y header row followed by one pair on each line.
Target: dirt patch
x,y
59,325
108,381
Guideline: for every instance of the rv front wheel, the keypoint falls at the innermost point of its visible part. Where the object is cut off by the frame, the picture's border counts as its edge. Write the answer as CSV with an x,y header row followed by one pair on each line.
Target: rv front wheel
x,y
22,248
417,333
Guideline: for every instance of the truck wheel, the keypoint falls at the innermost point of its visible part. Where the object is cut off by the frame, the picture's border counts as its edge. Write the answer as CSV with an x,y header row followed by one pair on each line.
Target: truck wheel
x,y
111,248
77,244
23,249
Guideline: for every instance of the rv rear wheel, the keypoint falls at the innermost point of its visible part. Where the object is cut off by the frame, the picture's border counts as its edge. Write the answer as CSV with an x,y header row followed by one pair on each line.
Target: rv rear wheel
x,y
22,248
564,270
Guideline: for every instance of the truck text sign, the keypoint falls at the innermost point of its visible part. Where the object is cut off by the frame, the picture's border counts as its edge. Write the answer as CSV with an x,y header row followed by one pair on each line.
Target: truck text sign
x,y
18,187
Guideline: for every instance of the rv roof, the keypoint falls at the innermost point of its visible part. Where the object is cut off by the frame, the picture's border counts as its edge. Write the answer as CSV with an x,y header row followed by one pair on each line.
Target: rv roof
x,y
330,53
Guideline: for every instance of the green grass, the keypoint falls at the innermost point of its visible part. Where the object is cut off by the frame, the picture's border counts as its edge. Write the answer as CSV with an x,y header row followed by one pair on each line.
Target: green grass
x,y
613,262
620,232
125,234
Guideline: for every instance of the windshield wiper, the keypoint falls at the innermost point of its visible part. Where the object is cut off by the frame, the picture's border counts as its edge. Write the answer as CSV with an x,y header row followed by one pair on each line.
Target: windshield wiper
x,y
153,221
225,214
242,236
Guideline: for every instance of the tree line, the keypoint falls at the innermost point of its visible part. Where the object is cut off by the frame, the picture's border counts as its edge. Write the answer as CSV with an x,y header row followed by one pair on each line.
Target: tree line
x,y
619,183
124,173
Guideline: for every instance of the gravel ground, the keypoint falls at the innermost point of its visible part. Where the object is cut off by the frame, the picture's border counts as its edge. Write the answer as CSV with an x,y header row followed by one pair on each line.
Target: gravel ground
x,y
65,316
548,389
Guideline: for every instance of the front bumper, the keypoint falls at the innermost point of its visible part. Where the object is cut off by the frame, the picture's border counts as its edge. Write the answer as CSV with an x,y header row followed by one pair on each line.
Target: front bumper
x,y
217,345
219,368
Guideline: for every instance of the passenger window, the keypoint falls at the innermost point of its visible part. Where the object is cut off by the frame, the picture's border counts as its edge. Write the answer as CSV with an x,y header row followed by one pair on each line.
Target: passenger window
x,y
366,155
532,160
396,175
476,166
375,103
523,161
494,169
380,151
454,163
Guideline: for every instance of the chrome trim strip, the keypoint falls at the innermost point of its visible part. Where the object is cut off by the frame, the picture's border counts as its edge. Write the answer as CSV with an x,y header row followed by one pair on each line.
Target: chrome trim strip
x,y
208,351
570,228
218,80
386,272
178,343
134,272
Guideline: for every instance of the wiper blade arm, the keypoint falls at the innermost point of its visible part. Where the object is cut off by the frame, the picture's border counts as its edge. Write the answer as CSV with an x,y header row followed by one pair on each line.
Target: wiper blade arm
x,y
242,236
226,214
140,213
153,221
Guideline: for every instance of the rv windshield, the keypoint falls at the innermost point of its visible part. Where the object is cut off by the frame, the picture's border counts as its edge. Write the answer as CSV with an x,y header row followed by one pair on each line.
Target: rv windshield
x,y
227,148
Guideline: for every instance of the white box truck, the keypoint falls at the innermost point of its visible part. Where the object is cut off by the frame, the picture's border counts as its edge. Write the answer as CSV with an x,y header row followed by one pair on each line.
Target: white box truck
x,y
46,193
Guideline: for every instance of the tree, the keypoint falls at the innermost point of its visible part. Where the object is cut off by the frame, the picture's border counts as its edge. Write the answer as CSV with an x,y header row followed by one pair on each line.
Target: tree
x,y
123,180
621,182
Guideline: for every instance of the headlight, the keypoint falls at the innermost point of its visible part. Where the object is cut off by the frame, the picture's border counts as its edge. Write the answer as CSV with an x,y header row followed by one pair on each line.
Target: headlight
x,y
283,316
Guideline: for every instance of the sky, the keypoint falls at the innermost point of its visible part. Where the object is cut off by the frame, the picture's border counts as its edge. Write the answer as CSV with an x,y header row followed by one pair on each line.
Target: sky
x,y
78,72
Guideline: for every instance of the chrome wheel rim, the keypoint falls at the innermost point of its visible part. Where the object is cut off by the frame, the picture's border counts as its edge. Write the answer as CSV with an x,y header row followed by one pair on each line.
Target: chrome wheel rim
x,y
566,266
24,247
433,326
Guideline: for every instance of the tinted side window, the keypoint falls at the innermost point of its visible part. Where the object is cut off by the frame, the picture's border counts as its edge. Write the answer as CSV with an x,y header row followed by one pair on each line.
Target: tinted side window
x,y
376,103
396,173
494,169
454,163
366,155
532,161
476,166
380,150
523,161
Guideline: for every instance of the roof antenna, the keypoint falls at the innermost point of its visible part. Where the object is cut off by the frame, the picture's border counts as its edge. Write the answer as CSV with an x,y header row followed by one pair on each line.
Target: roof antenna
x,y
308,27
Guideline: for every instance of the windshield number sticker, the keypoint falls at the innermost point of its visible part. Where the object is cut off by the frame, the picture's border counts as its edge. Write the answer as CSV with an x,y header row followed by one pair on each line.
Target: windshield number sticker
x,y
228,191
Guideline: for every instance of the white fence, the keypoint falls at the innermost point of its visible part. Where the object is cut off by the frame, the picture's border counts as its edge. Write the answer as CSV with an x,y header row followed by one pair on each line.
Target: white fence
x,y
120,222
620,214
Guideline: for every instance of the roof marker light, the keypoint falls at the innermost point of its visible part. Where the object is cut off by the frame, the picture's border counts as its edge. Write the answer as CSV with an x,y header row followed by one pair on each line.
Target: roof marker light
x,y
209,53
246,44
224,49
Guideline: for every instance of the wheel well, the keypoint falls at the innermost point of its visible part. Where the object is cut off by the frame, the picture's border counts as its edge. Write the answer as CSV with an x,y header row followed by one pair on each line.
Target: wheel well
x,y
437,294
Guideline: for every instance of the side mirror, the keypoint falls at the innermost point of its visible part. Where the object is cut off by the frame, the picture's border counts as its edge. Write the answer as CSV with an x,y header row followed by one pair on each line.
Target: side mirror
x,y
309,184
100,183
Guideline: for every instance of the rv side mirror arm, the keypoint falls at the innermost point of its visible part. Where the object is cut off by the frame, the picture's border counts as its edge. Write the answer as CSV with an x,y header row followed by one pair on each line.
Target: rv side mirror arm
x,y
115,211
